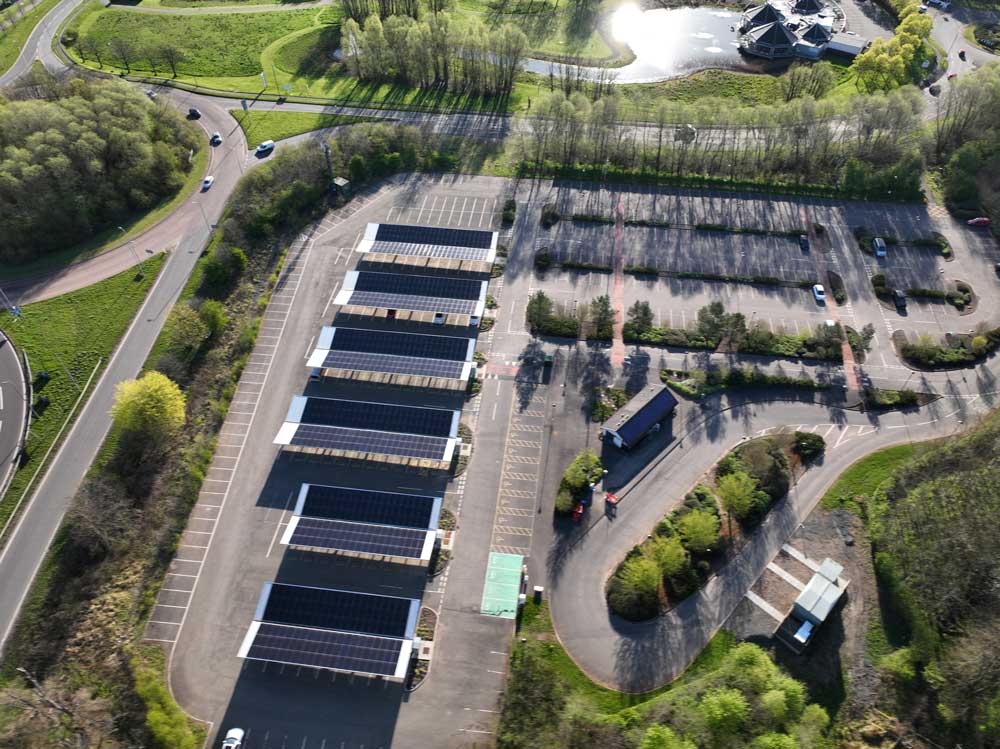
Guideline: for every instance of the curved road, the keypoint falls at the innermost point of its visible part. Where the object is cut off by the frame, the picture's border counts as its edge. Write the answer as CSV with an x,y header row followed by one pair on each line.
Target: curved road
x,y
13,411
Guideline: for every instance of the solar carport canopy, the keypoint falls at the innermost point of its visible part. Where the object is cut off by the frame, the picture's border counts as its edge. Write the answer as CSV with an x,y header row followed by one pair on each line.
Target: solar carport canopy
x,y
364,522
332,629
392,352
430,241
365,427
405,291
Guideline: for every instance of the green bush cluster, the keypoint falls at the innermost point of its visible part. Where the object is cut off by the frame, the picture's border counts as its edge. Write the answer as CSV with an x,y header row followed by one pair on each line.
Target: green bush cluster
x,y
751,478
959,350
550,215
880,398
593,218
809,446
796,232
676,558
697,383
606,401
543,319
509,211
167,724
586,469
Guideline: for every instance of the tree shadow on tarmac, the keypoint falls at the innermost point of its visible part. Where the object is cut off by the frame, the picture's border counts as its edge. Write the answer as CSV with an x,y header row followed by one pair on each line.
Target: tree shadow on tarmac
x,y
530,372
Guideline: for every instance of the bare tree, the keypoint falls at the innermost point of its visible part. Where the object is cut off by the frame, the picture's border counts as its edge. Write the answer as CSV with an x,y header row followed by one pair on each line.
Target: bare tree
x,y
124,51
49,715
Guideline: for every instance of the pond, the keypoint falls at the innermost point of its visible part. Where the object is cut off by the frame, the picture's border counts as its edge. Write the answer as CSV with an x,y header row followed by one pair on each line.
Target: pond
x,y
669,43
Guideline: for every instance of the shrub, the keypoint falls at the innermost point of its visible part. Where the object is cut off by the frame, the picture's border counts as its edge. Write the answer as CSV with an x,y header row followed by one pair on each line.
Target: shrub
x,y
509,211
213,314
543,260
585,469
900,666
668,554
550,216
766,462
633,590
725,711
699,531
167,725
809,446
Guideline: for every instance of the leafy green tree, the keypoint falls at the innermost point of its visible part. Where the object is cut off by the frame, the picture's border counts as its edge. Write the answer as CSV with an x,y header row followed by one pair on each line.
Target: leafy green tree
x,y
186,332
725,711
774,741
152,405
213,315
670,557
811,727
699,530
602,317
539,310
775,707
641,574
737,492
663,737
533,701
795,694
640,318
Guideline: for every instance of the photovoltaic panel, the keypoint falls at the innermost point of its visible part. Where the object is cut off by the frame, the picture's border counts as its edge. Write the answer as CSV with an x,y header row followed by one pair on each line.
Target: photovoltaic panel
x,y
337,609
413,302
430,250
404,365
363,538
365,506
365,441
434,235
323,649
442,287
377,416
453,348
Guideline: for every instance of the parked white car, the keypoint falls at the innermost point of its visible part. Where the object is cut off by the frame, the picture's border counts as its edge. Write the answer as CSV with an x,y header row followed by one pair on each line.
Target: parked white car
x,y
234,739
819,293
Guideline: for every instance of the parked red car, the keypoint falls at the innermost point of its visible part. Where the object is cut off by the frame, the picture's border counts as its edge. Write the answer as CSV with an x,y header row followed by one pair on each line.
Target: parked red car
x,y
979,221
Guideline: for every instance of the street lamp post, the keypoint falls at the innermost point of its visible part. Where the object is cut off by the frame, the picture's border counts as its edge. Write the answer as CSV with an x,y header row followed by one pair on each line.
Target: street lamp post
x,y
135,255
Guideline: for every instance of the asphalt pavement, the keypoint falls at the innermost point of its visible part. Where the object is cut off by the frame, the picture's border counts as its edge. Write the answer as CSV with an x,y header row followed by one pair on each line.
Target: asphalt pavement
x,y
13,408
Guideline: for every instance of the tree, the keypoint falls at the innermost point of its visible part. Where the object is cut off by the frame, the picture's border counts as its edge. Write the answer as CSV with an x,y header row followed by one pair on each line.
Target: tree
x,y
642,575
668,554
809,446
539,310
774,741
699,530
725,711
533,702
213,315
663,737
152,405
172,55
640,318
52,714
737,491
602,317
186,332
774,705
124,51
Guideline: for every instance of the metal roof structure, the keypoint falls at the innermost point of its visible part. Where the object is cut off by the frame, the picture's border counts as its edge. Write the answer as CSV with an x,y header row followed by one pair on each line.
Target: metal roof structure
x,y
382,432
435,295
821,595
387,526
430,241
390,356
336,630
633,421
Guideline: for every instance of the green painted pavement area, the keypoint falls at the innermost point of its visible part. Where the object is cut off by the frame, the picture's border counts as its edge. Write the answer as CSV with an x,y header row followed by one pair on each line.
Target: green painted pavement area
x,y
503,584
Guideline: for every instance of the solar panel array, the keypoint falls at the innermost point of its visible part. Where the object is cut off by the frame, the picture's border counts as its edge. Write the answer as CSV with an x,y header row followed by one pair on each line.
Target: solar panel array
x,y
361,538
337,609
404,365
377,416
364,441
430,250
434,235
400,344
367,506
415,303
324,649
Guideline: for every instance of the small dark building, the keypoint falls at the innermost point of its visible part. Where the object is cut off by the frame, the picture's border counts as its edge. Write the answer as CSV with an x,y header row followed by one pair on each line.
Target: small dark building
x,y
640,416
772,41
760,15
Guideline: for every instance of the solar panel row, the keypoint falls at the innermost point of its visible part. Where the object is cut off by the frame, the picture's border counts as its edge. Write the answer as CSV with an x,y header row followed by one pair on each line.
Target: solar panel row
x,y
415,303
363,441
431,250
324,649
390,364
337,609
367,506
402,344
386,417
444,287
434,235
361,538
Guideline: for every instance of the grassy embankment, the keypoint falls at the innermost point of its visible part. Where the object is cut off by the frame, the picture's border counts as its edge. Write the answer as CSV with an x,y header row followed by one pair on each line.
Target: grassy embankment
x,y
13,39
111,238
67,336
229,51
260,126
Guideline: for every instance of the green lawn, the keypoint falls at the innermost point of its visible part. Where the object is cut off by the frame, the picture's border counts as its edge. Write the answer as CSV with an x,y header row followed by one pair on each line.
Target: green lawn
x,y
260,126
13,39
745,88
865,476
536,627
112,238
221,45
67,336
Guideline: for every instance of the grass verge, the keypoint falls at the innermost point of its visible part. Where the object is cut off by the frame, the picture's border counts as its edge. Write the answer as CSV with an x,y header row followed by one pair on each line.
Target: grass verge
x,y
260,126
111,238
863,478
537,629
67,336
13,40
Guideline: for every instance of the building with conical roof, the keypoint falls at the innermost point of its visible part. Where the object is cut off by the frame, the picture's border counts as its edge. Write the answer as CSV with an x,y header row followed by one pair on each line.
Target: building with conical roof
x,y
772,41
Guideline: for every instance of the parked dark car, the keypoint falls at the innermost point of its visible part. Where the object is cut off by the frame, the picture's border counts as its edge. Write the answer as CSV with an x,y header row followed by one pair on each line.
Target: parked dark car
x,y
899,298
194,113
804,243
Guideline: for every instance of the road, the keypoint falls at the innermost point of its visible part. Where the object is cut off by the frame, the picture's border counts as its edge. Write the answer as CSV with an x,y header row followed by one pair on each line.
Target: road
x,y
12,408
187,232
